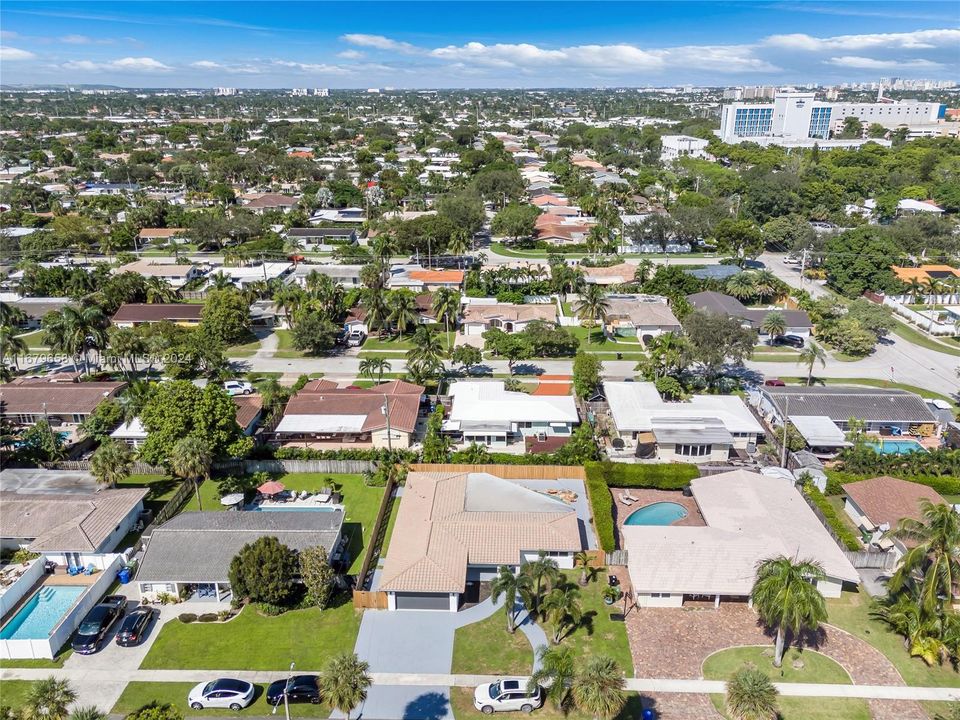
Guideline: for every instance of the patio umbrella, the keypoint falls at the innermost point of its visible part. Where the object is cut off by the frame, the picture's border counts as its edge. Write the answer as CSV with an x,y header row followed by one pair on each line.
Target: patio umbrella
x,y
232,499
272,487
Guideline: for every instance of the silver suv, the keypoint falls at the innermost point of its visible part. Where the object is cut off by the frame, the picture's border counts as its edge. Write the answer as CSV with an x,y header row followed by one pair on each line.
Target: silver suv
x,y
506,695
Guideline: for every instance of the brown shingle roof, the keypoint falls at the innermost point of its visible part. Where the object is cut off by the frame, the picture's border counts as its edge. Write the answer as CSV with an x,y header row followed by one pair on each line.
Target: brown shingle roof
x,y
155,312
248,407
403,402
887,499
55,398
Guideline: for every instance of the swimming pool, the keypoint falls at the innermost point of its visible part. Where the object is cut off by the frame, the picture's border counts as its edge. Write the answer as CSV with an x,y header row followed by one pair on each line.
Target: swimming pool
x,y
897,447
41,613
661,513
281,508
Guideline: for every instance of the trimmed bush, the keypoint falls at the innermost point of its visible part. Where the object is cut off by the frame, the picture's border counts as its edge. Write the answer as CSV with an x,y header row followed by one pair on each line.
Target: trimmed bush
x,y
839,528
947,485
601,501
187,617
207,617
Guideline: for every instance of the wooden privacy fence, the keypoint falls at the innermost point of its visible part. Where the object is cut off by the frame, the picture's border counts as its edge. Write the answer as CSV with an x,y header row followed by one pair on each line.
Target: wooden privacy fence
x,y
510,472
138,468
372,551
369,600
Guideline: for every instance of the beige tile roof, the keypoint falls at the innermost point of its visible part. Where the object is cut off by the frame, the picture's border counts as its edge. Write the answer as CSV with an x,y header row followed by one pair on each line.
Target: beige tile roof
x,y
437,534
67,522
514,313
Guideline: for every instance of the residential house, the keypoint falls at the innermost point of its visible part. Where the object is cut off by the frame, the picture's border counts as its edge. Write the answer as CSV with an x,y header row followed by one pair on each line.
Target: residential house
x,y
193,550
323,415
249,409
36,308
418,279
643,317
797,321
175,274
132,314
883,410
346,275
246,275
620,274
158,236
486,412
925,273
270,201
704,428
747,518
879,504
511,318
343,215
27,401
454,530
674,147
318,239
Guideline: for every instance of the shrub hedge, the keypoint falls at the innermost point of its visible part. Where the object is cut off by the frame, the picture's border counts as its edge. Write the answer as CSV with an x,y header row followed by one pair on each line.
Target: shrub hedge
x,y
947,485
601,476
839,528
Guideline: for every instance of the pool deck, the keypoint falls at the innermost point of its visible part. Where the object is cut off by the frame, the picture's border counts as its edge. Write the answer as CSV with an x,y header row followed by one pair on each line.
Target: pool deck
x,y
646,497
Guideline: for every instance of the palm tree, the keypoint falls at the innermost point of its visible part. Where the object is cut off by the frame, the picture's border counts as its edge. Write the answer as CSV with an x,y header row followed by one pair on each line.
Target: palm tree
x,y
190,460
134,399
427,350
774,324
74,331
402,310
220,281
786,597
159,291
446,306
11,345
742,286
289,298
512,586
48,699
767,285
598,687
592,306
374,366
544,573
89,712
643,271
582,559
921,631
810,355
11,315
751,695
111,463
932,566
915,288
563,610
344,682
555,672
459,242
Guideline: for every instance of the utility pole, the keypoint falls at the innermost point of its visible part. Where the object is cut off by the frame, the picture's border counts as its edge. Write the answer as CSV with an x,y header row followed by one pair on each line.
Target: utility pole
x,y
386,413
803,266
786,420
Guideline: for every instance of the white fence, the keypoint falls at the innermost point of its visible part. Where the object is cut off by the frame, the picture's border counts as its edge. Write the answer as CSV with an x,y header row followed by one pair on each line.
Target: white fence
x,y
297,466
922,321
14,594
46,648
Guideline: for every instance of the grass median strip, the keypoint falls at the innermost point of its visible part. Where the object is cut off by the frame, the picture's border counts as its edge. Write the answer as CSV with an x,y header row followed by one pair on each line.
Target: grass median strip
x,y
138,694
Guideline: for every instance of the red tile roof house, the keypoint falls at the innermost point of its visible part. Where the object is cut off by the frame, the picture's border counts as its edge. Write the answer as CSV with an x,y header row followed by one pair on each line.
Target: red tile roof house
x,y
324,416
133,314
879,504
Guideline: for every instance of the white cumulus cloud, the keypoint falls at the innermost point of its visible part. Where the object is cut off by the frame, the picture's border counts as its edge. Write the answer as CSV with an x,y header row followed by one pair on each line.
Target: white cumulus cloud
x,y
351,55
379,42
917,40
128,64
12,53
865,63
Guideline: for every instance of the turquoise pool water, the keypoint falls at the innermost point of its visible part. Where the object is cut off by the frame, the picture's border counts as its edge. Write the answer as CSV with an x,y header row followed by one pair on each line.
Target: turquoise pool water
x,y
41,613
273,508
897,447
661,513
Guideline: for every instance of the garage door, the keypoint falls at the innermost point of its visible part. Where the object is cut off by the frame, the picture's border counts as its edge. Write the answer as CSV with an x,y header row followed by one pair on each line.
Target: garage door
x,y
423,601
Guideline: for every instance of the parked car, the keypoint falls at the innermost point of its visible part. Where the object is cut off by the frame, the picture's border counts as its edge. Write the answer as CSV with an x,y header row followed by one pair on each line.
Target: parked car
x,y
506,695
221,693
774,382
299,688
237,387
134,627
97,624
356,338
794,341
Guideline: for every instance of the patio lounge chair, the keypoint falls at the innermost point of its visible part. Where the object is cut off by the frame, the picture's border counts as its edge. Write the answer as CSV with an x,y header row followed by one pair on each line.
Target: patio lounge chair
x,y
73,570
625,499
90,569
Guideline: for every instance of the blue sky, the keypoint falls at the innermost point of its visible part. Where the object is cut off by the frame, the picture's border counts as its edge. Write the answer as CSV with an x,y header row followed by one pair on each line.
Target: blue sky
x,y
474,44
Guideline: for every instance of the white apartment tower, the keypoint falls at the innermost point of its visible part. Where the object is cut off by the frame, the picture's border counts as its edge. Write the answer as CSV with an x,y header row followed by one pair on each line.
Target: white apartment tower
x,y
225,92
321,92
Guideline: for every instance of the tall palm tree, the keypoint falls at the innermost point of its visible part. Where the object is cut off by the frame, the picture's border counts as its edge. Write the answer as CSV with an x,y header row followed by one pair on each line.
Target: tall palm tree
x,y
931,568
378,314
563,610
402,310
786,597
545,573
11,315
767,285
921,631
135,398
289,298
459,243
159,291
811,355
374,366
75,330
774,324
915,288
427,350
512,586
48,699
190,460
555,672
220,281
751,695
446,307
598,687
111,463
11,346
742,286
344,682
592,305
643,271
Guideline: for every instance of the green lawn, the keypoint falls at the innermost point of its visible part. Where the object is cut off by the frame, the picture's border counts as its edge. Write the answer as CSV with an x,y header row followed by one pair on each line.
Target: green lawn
x,y
917,337
775,350
816,668
801,708
394,343
138,694
361,504
772,357
475,654
851,613
34,340
248,349
254,642
285,348
13,693
461,701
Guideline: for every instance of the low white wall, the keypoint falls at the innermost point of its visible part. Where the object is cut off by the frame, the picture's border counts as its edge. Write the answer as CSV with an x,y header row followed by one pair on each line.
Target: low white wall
x,y
16,592
831,587
647,600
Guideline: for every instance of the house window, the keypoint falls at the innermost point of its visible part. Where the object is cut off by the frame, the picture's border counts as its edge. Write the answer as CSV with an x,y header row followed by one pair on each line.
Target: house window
x,y
659,595
694,450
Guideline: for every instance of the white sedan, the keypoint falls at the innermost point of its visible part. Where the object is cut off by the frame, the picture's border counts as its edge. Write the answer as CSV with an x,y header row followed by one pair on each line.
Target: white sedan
x,y
237,387
221,693
506,695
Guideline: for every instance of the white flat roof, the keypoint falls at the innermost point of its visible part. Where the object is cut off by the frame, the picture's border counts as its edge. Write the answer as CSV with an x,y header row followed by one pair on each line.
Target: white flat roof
x,y
321,423
819,431
489,401
637,406
132,430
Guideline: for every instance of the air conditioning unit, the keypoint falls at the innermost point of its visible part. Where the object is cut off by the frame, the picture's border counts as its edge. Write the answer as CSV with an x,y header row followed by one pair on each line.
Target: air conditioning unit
x,y
541,437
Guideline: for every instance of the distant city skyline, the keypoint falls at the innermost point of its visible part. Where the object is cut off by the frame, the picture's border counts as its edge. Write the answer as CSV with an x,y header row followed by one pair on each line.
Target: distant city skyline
x,y
475,44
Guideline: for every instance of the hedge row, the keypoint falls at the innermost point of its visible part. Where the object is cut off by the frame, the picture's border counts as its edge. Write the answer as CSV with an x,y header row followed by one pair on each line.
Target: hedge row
x,y
948,485
601,476
839,528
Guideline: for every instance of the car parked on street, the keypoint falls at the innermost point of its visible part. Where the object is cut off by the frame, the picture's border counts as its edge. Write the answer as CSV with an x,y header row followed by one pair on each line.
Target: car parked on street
x,y
134,627
774,382
97,624
299,688
237,387
221,693
506,695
